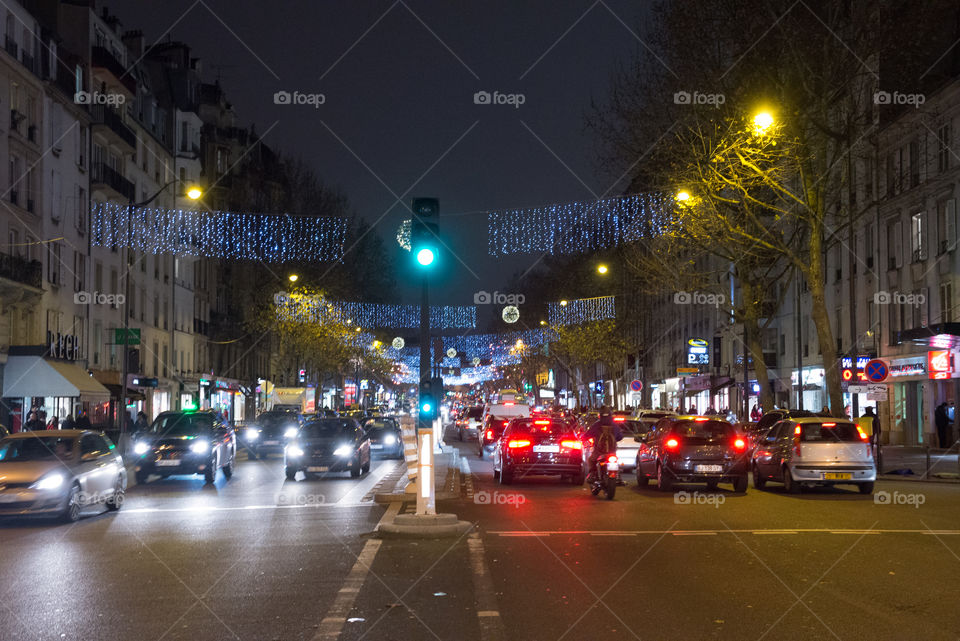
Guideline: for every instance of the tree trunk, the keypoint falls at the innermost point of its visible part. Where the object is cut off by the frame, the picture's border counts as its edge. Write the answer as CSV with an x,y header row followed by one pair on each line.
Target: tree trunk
x,y
751,312
821,320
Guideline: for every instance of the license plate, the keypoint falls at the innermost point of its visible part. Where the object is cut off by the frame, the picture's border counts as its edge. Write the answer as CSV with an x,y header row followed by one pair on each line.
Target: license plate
x,y
168,462
613,467
318,469
376,446
546,448
706,469
837,476
271,442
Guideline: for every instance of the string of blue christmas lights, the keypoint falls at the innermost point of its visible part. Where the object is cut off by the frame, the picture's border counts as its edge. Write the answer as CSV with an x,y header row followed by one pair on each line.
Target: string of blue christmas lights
x,y
581,310
219,234
576,227
317,309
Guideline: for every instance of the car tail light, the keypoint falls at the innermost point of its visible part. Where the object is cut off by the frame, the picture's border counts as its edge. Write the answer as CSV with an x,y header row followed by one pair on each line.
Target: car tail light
x,y
825,425
489,435
509,403
612,458
863,435
619,419
796,440
518,443
739,444
505,423
701,419
541,422
672,444
571,444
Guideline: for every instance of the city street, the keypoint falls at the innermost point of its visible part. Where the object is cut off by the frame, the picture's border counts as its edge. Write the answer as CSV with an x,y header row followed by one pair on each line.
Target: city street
x,y
261,558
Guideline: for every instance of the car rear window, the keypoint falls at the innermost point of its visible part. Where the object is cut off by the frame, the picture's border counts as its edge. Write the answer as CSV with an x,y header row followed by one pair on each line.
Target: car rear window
x,y
634,427
703,430
543,426
475,412
829,433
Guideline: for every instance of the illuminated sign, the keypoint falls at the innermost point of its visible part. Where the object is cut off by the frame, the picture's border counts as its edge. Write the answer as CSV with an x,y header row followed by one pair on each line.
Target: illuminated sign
x,y
698,352
939,363
850,373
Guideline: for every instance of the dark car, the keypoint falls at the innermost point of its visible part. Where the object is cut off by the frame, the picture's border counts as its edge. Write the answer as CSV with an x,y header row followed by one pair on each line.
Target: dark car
x,y
535,446
270,432
487,437
328,445
693,449
385,436
189,442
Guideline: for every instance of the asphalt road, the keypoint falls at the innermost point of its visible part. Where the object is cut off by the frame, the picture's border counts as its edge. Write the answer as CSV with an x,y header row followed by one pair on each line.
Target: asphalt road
x,y
262,558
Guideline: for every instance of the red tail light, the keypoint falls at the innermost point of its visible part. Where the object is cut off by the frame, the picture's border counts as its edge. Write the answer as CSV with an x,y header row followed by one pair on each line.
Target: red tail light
x,y
739,444
826,425
796,441
541,422
571,444
518,443
489,435
619,419
701,419
505,423
612,458
863,435
508,403
672,444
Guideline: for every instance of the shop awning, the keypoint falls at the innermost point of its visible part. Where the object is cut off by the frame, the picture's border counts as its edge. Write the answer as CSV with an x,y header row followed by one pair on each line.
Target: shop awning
x,y
25,376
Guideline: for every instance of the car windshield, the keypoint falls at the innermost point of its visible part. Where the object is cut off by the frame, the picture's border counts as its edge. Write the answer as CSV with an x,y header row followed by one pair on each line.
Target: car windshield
x,y
182,425
703,430
36,448
328,428
829,433
379,424
543,426
277,419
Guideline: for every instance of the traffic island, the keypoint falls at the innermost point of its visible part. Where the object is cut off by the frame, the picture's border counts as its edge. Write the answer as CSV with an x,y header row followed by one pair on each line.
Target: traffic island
x,y
424,526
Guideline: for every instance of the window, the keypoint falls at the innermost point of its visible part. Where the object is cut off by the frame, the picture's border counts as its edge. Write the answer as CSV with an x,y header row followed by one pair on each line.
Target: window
x,y
921,308
81,142
81,209
156,311
947,225
868,178
53,263
97,341
895,323
114,284
98,276
143,304
16,248
894,245
28,245
914,163
165,360
156,358
783,344
868,245
79,270
943,148
946,302
918,236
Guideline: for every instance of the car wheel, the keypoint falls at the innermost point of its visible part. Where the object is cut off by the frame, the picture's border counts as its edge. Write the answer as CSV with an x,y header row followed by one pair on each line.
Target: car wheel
x,y
228,470
642,480
496,474
740,484
355,468
71,509
506,475
789,485
210,474
664,482
291,473
115,502
758,481
865,488
141,477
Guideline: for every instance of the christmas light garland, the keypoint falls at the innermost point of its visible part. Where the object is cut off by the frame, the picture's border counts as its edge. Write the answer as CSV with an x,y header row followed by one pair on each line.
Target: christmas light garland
x,y
576,227
316,309
581,310
219,234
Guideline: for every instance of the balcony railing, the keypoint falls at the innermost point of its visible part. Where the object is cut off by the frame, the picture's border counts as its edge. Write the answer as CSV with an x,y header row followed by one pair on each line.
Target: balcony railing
x,y
103,115
106,175
103,58
28,272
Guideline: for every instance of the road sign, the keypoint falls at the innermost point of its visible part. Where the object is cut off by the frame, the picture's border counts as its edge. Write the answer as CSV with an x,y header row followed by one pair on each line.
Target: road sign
x,y
876,396
133,336
858,389
636,385
687,370
876,370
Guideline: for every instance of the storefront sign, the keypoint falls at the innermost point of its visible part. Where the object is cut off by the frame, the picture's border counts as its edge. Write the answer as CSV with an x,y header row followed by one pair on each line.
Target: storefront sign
x,y
145,382
698,352
916,366
63,346
940,363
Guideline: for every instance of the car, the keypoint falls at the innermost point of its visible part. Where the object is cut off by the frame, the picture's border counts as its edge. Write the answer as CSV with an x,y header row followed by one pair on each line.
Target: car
x,y
487,437
185,442
649,418
270,432
814,450
385,436
328,445
693,449
633,433
469,421
58,472
530,446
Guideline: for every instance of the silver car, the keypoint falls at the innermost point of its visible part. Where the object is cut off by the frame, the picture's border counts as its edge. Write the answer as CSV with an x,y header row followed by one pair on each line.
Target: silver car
x,y
814,451
58,472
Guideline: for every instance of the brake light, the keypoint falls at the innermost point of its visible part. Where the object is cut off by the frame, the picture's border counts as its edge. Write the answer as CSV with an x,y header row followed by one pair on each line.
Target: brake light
x,y
672,444
827,425
796,441
518,443
541,422
619,419
489,435
612,458
701,419
505,423
863,435
509,403
572,444
739,444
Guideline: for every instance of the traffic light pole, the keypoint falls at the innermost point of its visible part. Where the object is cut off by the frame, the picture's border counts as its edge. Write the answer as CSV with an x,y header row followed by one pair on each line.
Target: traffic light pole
x,y
426,497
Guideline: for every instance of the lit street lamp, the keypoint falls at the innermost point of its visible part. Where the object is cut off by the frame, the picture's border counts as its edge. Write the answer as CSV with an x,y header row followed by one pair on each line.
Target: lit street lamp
x,y
602,269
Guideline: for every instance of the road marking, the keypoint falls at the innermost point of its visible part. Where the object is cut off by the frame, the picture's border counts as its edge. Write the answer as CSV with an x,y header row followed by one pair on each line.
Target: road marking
x,y
704,533
528,533
775,532
491,624
332,625
201,509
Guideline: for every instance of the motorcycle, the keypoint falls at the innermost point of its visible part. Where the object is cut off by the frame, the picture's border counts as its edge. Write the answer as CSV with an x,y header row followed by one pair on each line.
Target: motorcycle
x,y
607,476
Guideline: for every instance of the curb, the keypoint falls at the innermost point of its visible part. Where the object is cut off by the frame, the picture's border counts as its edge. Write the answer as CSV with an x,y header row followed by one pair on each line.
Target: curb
x,y
918,478
425,526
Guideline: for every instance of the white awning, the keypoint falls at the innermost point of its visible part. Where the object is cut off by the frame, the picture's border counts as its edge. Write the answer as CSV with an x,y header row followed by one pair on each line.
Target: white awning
x,y
25,376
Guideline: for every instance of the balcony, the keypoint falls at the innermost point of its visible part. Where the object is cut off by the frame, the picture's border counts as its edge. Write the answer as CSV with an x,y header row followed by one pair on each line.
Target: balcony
x,y
110,122
105,177
27,272
103,58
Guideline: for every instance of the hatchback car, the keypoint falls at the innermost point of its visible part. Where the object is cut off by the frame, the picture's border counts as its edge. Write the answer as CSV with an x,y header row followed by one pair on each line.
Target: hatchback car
x,y
633,433
188,442
58,472
693,449
270,433
815,451
536,447
385,436
328,445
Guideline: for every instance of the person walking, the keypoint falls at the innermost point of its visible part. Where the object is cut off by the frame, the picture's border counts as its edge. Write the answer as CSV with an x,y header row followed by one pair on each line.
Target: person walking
x,y
942,423
875,437
83,421
68,422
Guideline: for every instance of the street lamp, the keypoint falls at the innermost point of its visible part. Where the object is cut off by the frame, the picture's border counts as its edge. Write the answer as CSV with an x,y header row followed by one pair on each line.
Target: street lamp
x,y
683,196
602,269
762,121
563,303
194,193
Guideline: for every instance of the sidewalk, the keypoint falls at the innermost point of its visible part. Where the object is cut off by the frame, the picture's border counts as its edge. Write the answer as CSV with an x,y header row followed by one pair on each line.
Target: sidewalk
x,y
941,466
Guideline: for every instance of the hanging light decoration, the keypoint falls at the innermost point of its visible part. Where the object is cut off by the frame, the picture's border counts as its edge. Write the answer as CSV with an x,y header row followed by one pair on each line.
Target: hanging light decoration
x,y
317,309
510,314
581,310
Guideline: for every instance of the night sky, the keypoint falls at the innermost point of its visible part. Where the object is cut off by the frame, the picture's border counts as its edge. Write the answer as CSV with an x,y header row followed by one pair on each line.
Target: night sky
x,y
399,118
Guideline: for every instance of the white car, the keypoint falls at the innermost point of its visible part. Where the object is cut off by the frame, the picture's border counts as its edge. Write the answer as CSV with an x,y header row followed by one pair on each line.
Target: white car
x,y
469,422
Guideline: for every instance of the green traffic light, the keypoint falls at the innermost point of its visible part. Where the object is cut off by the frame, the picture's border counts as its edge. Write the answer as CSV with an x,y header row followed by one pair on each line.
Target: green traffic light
x,y
425,408
426,256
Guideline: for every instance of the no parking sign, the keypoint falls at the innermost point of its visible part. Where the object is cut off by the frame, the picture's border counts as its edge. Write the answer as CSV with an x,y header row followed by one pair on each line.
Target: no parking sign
x,y
635,385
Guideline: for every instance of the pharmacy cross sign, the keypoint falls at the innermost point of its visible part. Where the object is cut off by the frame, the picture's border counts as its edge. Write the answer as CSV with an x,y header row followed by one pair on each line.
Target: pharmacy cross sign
x,y
876,370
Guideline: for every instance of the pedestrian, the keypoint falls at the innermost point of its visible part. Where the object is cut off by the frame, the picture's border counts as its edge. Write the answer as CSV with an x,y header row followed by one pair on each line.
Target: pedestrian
x,y
942,422
68,422
825,411
34,423
54,423
141,424
875,431
755,414
83,421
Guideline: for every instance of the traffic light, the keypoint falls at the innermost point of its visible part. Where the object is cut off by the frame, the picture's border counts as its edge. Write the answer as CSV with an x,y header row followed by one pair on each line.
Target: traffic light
x,y
424,230
428,404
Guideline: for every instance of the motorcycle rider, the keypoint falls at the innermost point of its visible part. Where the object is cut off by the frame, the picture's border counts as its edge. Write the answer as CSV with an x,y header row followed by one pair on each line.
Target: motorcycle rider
x,y
605,434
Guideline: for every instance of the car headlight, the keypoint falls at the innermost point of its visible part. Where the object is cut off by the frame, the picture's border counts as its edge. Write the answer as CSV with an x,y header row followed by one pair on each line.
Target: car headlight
x,y
290,432
294,450
50,482
200,447
140,448
253,434
389,439
343,450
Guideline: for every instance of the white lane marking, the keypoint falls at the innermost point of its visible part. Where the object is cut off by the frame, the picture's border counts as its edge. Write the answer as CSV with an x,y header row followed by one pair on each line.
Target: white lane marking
x,y
519,533
694,533
213,508
332,625
491,625
372,478
467,476
775,532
